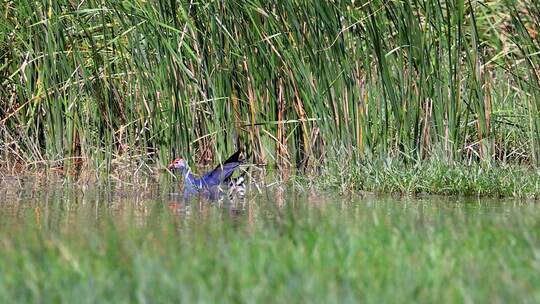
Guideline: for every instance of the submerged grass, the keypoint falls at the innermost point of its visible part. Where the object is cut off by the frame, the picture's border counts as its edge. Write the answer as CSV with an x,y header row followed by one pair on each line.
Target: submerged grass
x,y
88,85
318,251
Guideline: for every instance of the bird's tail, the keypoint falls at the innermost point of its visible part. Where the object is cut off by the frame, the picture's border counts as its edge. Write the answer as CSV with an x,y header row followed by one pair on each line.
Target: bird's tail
x,y
237,187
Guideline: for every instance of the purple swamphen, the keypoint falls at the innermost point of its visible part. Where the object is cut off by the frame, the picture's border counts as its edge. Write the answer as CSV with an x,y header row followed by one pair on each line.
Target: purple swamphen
x,y
212,184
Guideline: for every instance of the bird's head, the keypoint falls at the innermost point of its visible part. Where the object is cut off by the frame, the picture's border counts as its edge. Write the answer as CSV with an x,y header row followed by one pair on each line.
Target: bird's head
x,y
178,163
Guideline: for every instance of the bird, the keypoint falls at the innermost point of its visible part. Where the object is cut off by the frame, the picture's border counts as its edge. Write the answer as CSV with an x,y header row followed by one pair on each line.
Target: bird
x,y
211,185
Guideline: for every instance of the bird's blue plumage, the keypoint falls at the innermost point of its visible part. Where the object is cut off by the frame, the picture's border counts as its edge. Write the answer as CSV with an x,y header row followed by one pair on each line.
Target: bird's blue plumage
x,y
211,183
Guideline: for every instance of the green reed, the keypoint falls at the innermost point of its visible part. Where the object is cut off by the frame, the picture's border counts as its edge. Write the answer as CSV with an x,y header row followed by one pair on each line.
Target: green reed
x,y
109,84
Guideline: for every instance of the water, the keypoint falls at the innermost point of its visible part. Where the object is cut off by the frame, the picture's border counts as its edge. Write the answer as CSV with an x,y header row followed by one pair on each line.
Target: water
x,y
143,244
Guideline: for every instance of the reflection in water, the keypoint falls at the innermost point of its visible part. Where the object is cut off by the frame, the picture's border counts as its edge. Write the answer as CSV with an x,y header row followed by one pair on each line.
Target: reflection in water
x,y
63,208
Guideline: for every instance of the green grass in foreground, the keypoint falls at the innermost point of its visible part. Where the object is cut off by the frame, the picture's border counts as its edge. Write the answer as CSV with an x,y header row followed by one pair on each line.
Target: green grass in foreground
x,y
375,252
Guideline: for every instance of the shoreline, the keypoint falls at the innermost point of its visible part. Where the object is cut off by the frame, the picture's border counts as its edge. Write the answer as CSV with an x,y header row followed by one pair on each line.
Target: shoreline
x,y
380,178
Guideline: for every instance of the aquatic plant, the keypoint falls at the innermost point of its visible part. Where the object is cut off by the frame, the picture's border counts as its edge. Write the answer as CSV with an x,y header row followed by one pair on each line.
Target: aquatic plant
x,y
99,247
103,84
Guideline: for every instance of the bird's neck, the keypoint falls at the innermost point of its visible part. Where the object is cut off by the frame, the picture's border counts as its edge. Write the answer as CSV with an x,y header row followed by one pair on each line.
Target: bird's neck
x,y
186,172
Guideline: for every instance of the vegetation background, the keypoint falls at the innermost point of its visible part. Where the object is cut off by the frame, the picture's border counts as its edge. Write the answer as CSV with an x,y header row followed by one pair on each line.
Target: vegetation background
x,y
416,96
109,84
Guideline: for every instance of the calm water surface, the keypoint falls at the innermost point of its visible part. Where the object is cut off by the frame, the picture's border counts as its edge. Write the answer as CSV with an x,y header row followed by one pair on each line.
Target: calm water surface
x,y
66,207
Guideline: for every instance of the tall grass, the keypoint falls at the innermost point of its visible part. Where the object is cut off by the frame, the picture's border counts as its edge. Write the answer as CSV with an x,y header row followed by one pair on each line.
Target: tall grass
x,y
103,84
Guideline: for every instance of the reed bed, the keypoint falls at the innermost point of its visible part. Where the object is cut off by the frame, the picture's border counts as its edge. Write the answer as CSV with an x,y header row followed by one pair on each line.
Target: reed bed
x,y
105,84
